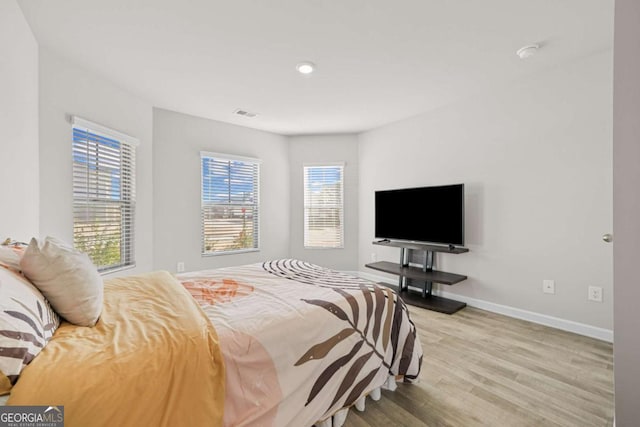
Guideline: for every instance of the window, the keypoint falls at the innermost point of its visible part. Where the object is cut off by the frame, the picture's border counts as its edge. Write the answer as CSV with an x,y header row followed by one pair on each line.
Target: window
x,y
103,194
230,203
323,206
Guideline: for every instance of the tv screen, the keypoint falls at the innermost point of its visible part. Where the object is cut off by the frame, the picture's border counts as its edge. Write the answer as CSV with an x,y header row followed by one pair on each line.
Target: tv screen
x,y
422,214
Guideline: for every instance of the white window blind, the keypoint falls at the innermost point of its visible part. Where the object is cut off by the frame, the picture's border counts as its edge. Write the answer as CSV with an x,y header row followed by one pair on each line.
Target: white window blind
x,y
103,194
323,206
230,203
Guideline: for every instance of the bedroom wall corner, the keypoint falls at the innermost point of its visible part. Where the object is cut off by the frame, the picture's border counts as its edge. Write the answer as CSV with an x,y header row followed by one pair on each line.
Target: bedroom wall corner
x,y
69,89
536,159
19,171
178,140
305,149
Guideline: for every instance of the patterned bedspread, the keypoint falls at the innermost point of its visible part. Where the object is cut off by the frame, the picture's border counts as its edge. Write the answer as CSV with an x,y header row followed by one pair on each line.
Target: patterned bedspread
x,y
300,341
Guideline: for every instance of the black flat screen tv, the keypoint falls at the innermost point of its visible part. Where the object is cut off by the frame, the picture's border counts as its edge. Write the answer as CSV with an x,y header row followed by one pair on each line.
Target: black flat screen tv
x,y
433,214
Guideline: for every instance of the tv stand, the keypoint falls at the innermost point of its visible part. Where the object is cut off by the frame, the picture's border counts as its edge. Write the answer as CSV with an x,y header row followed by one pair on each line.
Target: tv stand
x,y
425,274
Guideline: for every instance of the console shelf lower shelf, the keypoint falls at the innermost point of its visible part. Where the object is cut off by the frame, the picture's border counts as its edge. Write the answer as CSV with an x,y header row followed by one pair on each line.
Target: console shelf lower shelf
x,y
433,303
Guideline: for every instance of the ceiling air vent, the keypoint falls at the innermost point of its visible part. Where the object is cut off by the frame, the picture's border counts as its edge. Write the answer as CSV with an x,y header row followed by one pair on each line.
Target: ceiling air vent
x,y
245,113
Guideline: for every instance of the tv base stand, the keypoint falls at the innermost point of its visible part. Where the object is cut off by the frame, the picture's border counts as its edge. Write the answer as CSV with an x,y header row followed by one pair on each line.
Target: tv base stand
x,y
424,274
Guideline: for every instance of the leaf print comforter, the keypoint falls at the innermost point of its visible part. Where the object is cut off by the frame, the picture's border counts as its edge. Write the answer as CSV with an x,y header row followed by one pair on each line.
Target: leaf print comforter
x,y
301,341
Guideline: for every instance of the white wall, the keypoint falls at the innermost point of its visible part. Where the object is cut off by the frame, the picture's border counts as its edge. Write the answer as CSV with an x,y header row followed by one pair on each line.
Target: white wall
x,y
66,89
178,140
536,158
330,149
535,155
626,207
18,125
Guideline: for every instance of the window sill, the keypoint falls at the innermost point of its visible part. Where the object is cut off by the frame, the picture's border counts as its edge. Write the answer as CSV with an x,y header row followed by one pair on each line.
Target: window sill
x,y
239,251
323,247
117,269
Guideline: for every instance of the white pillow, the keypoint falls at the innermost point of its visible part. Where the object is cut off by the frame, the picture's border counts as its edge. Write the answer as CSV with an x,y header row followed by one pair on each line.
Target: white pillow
x,y
67,278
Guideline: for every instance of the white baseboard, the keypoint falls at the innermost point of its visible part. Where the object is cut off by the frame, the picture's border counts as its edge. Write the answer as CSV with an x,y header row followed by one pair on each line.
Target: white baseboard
x,y
542,319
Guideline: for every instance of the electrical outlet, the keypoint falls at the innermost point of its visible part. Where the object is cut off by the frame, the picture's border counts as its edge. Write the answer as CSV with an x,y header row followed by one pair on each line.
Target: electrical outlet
x,y
374,257
180,267
549,286
595,293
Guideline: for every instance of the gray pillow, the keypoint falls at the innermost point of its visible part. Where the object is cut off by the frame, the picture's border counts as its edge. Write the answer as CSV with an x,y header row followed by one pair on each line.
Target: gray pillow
x,y
67,278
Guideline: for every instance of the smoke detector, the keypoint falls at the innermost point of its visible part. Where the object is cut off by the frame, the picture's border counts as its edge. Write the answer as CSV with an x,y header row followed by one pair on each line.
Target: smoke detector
x,y
527,51
245,113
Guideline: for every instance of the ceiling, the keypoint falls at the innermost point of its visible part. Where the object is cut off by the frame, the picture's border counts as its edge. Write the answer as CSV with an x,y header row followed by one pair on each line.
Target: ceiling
x,y
378,61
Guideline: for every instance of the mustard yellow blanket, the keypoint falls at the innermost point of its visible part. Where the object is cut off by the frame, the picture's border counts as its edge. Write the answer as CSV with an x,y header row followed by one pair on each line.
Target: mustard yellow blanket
x,y
152,360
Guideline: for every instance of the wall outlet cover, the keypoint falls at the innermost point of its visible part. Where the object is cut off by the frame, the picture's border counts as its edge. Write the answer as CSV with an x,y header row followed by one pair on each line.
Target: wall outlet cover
x,y
549,286
595,293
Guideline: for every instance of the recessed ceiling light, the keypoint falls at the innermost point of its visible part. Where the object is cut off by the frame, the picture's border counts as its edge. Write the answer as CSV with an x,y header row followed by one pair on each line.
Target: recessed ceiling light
x,y
527,51
306,67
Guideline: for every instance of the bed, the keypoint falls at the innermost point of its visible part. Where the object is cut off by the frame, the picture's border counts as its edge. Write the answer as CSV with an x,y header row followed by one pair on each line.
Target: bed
x,y
278,343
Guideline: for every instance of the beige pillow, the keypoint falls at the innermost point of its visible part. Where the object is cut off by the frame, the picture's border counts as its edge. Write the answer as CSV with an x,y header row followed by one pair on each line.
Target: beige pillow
x,y
67,278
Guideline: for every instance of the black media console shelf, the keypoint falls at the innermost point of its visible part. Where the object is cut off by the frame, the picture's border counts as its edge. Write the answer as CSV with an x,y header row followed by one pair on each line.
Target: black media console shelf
x,y
421,247
417,273
425,274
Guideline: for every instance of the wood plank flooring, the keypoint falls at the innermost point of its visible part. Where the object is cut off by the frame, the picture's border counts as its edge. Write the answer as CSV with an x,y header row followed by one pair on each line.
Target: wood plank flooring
x,y
485,369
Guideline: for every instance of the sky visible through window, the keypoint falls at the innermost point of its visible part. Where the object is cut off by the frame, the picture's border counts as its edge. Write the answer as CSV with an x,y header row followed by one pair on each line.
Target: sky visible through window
x,y
321,176
90,158
227,182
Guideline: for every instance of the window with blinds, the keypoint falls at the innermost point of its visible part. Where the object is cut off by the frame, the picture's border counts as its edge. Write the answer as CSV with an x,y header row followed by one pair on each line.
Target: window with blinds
x,y
229,203
103,194
323,206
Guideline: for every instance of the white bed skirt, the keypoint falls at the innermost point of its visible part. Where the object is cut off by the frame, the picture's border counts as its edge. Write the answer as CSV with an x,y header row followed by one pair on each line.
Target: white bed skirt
x,y
338,419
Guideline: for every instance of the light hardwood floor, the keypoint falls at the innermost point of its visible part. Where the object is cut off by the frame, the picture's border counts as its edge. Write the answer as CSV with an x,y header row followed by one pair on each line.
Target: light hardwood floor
x,y
485,369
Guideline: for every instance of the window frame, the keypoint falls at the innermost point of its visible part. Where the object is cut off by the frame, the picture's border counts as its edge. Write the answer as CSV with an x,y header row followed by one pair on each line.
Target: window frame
x,y
257,237
128,196
341,166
